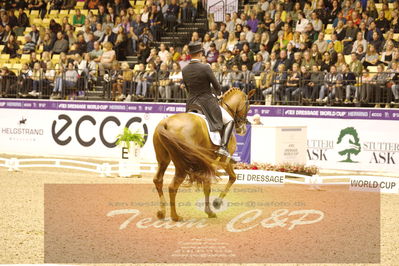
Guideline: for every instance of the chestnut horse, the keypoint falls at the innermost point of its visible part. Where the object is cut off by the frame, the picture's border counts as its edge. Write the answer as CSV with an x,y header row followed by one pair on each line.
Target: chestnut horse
x,y
183,138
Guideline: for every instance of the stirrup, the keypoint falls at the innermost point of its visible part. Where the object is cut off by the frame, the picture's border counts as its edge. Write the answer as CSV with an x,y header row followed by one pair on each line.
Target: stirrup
x,y
223,152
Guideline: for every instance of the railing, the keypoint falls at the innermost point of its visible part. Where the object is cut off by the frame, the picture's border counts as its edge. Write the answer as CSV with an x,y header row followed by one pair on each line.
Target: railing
x,y
218,10
271,88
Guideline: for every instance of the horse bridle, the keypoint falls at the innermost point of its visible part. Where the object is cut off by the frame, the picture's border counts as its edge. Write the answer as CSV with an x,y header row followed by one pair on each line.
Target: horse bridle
x,y
238,119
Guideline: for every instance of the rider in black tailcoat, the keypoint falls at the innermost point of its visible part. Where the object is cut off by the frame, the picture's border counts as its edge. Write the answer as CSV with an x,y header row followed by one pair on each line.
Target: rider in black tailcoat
x,y
197,78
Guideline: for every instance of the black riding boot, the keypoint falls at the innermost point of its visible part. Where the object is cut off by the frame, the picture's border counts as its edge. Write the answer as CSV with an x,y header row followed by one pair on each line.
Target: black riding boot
x,y
227,131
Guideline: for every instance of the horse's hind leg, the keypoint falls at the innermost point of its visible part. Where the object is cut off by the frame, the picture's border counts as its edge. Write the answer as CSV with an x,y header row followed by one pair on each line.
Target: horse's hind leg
x,y
232,178
207,191
163,162
158,181
173,188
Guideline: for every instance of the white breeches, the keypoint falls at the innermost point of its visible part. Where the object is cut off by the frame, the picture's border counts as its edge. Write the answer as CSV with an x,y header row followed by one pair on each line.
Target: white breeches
x,y
226,117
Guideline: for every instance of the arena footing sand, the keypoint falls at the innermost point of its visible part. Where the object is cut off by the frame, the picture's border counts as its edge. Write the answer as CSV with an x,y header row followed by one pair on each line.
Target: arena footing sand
x,y
22,220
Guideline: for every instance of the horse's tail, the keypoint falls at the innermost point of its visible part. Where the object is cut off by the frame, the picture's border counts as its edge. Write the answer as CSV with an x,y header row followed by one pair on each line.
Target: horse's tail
x,y
196,161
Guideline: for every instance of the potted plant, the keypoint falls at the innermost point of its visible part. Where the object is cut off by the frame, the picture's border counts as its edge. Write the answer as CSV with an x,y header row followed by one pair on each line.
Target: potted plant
x,y
129,164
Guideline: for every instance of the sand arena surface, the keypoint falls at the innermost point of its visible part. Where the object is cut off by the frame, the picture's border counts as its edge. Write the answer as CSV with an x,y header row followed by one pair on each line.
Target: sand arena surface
x,y
22,225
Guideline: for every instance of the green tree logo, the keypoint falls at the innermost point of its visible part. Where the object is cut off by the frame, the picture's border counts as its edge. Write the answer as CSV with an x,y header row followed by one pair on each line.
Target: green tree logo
x,y
353,146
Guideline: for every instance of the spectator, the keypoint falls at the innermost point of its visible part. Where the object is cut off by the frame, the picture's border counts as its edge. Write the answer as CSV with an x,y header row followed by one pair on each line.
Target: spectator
x,y
293,83
108,57
258,67
164,89
175,84
236,77
29,45
23,20
349,81
174,54
109,36
25,80
377,86
60,45
371,58
11,47
248,80
220,42
332,87
123,79
225,79
68,4
141,83
212,54
171,14
183,61
163,52
78,19
91,4
67,80
36,80
156,21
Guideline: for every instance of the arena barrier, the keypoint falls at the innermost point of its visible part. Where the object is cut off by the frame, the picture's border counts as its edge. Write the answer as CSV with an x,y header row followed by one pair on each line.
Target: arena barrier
x,y
338,139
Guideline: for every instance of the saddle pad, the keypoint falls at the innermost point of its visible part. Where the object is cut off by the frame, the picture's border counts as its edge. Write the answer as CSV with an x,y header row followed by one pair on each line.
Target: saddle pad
x,y
214,135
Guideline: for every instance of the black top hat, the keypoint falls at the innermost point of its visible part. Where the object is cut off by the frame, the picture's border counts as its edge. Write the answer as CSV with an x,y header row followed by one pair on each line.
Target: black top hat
x,y
194,47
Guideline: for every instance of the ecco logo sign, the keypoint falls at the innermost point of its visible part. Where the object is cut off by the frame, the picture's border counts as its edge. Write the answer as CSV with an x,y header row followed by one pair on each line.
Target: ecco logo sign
x,y
64,140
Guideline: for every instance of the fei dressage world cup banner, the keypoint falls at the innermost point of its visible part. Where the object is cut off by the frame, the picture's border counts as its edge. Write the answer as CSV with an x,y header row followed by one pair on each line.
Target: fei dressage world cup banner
x,y
338,138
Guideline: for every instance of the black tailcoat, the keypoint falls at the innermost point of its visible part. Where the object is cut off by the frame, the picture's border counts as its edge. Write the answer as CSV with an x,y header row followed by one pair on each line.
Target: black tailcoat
x,y
198,78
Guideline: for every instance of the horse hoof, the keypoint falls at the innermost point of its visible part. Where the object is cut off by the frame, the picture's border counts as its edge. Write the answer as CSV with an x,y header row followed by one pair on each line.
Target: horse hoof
x,y
160,215
217,203
211,215
177,218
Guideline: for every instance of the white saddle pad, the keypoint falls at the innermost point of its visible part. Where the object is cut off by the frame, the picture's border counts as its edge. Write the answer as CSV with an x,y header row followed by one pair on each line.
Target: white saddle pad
x,y
214,135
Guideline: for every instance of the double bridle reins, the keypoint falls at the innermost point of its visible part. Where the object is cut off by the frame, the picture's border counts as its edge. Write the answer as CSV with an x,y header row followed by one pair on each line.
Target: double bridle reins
x,y
238,119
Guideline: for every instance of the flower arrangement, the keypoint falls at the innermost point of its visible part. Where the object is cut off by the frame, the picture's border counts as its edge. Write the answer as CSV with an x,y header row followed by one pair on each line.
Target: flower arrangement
x,y
127,136
287,168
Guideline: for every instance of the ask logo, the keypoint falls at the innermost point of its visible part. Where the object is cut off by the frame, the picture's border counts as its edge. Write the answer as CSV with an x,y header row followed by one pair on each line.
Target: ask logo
x,y
349,140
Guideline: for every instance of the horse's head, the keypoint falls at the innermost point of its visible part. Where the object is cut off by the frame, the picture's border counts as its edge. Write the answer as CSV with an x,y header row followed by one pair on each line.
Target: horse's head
x,y
236,102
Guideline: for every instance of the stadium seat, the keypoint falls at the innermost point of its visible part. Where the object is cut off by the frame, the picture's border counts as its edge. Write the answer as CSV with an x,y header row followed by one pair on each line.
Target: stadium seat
x,y
64,12
25,58
79,5
53,12
378,6
84,12
55,57
7,65
372,69
37,21
348,59
1,48
5,57
17,66
34,13
329,29
136,67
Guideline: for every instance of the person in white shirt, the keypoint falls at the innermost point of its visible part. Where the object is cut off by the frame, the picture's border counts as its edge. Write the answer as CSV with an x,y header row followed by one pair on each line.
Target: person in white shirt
x,y
163,53
229,23
301,23
249,35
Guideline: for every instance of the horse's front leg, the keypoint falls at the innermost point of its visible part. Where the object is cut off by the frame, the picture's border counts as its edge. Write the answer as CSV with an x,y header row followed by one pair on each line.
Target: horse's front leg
x,y
232,178
207,191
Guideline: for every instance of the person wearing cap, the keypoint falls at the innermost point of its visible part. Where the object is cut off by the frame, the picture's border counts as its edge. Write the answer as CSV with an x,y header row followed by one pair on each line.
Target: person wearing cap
x,y
197,78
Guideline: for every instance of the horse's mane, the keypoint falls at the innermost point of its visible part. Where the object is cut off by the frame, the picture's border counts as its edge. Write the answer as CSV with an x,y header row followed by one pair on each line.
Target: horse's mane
x,y
230,91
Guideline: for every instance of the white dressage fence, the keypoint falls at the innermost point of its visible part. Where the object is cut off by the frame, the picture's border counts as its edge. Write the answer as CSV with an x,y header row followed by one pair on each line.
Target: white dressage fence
x,y
108,169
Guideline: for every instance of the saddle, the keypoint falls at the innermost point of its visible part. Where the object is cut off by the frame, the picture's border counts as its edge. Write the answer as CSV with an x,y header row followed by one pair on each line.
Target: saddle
x,y
213,135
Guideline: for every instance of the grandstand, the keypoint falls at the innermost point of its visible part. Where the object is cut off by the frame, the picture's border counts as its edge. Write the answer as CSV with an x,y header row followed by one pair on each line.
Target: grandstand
x,y
353,44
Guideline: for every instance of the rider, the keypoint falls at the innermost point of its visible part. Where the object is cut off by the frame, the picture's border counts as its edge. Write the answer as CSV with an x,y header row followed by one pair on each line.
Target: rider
x,y
197,77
